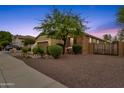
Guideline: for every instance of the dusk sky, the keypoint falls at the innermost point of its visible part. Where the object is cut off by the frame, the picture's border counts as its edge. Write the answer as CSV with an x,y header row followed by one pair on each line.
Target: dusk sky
x,y
22,19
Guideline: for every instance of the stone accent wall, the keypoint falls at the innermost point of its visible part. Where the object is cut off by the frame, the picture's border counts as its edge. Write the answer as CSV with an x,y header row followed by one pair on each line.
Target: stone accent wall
x,y
85,45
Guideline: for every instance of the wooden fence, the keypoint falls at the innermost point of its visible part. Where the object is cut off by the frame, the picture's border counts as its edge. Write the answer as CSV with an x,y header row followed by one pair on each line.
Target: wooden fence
x,y
106,48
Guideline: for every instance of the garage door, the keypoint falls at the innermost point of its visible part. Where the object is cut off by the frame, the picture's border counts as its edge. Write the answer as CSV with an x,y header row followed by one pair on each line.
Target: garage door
x,y
43,44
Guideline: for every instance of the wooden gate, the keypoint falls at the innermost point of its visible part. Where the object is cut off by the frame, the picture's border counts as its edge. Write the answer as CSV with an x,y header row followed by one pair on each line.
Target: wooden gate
x,y
106,48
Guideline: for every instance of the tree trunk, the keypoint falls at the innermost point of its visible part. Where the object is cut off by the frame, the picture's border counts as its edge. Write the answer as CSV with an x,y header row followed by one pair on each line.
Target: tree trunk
x,y
64,46
75,40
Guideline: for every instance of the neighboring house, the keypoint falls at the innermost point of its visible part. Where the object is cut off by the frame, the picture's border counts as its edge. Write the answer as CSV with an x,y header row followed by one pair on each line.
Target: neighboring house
x,y
18,40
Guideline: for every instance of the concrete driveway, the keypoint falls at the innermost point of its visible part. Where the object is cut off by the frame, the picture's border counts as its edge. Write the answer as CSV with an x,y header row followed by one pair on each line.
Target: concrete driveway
x,y
16,74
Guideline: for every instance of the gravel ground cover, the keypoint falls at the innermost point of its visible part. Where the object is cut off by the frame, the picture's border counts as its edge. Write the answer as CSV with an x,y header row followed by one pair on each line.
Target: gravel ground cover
x,y
78,71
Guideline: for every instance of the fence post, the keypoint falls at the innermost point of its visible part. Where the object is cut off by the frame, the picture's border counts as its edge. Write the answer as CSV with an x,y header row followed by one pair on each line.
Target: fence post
x,y
121,49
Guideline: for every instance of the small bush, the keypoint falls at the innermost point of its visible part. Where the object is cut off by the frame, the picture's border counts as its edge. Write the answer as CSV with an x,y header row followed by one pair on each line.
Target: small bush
x,y
55,51
38,50
4,43
77,49
25,50
47,50
28,41
61,46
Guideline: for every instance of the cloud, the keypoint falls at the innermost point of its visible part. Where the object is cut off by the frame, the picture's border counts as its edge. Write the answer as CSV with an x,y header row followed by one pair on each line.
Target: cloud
x,y
100,33
107,28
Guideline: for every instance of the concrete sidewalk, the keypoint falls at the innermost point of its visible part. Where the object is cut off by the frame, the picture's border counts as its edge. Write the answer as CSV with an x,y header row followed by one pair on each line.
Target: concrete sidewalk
x,y
16,74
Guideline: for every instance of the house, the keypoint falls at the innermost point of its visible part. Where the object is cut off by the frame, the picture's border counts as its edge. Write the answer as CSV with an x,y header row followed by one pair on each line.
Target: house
x,y
84,41
90,44
18,39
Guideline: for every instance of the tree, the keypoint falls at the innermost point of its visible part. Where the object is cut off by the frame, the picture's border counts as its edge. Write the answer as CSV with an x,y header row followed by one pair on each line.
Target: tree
x,y
120,19
107,37
121,35
60,25
115,39
120,16
5,38
28,41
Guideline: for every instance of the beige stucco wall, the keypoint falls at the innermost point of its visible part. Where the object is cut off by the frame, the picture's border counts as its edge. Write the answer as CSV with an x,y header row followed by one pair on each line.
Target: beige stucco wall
x,y
49,40
55,41
42,39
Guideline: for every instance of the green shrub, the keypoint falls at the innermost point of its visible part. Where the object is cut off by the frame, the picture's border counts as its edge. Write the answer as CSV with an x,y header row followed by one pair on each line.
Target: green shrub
x,y
28,41
47,50
61,46
77,49
25,49
35,50
55,51
4,43
38,50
